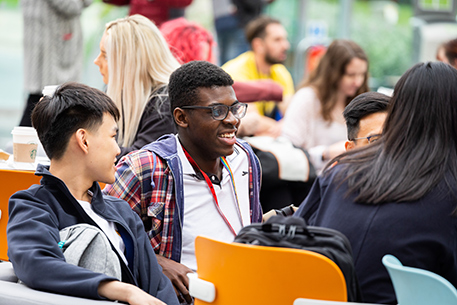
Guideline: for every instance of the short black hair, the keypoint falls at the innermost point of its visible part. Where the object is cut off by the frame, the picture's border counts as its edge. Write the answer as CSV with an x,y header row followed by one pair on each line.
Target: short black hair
x,y
72,106
361,106
258,27
187,79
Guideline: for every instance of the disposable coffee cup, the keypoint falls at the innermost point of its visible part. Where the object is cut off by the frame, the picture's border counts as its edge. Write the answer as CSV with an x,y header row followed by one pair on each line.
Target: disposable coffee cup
x,y
49,90
25,144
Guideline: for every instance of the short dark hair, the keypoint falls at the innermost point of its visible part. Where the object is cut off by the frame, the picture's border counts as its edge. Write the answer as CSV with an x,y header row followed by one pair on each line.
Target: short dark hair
x,y
71,107
258,27
361,106
187,79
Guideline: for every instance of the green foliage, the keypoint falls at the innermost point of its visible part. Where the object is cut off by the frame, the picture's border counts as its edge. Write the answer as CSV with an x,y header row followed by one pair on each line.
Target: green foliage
x,y
389,46
9,3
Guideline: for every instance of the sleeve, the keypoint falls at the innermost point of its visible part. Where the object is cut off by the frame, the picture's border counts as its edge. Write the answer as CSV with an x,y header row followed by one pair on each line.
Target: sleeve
x,y
158,284
282,76
261,90
175,3
133,184
309,206
117,2
33,237
152,126
69,8
297,122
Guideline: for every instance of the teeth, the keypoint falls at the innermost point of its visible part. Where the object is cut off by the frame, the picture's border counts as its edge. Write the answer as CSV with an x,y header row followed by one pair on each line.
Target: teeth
x,y
227,135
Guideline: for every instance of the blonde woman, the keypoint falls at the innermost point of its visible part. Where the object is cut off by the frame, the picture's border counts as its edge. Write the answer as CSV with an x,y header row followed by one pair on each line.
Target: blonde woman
x,y
136,63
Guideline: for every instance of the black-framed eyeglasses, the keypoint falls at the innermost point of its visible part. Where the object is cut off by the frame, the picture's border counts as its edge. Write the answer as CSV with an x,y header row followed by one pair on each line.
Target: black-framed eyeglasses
x,y
220,112
370,139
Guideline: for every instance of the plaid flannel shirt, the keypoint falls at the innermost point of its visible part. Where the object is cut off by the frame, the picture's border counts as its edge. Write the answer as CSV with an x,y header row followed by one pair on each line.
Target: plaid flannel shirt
x,y
155,201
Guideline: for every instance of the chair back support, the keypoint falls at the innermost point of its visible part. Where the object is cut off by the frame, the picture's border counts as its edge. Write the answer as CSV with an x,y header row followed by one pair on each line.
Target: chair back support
x,y
322,302
414,286
11,181
246,274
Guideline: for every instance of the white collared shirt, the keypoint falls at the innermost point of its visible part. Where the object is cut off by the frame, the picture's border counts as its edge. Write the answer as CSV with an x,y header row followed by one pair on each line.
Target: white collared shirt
x,y
201,216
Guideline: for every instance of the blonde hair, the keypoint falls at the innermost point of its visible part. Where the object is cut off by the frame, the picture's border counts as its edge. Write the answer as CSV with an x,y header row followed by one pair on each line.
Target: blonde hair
x,y
139,64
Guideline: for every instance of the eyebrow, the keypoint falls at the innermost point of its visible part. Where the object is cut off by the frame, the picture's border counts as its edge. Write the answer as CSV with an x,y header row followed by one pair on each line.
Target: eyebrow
x,y
216,103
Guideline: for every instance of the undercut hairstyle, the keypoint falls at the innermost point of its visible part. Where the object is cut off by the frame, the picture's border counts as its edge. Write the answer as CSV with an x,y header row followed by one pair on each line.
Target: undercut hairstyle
x,y
361,106
183,88
257,28
450,50
72,106
418,148
326,78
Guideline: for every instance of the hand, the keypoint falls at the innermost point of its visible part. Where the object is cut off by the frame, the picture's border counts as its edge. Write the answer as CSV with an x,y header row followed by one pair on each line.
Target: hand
x,y
115,290
335,150
177,273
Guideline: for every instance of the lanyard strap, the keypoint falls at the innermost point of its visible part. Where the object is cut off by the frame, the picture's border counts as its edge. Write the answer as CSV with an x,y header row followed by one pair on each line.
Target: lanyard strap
x,y
213,192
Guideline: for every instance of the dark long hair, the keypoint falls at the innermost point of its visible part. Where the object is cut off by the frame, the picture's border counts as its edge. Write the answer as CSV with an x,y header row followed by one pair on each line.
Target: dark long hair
x,y
418,148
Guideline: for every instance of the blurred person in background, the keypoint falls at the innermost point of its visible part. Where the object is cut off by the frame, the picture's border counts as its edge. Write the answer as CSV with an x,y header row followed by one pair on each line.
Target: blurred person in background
x,y
53,46
269,44
441,53
158,11
230,19
190,41
136,63
398,194
314,119
365,116
450,52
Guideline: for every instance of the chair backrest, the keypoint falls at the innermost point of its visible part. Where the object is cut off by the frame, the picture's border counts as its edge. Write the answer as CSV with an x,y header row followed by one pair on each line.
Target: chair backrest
x,y
323,302
414,286
11,181
247,274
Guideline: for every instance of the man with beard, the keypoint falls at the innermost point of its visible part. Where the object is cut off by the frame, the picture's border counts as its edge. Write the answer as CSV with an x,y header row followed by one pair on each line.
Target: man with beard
x,y
269,44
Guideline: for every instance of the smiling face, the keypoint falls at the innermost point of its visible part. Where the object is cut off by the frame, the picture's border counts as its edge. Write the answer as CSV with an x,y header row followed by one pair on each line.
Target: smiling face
x,y
102,60
353,77
209,138
103,150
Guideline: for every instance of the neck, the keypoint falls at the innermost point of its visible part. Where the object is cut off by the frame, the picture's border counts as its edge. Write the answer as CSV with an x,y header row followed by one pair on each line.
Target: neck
x,y
206,164
262,66
77,184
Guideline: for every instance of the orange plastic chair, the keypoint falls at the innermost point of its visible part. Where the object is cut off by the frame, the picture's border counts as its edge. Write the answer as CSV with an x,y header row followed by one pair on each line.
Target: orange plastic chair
x,y
247,275
11,181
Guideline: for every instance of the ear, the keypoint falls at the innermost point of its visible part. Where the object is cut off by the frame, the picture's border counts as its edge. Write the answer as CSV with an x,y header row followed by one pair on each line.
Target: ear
x,y
82,141
349,145
180,117
257,45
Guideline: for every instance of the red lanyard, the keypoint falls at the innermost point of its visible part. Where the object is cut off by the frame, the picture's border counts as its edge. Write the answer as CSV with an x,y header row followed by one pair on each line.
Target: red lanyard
x,y
213,192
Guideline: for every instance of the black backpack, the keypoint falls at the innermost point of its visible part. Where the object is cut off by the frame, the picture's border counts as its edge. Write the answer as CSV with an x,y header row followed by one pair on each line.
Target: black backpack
x,y
292,232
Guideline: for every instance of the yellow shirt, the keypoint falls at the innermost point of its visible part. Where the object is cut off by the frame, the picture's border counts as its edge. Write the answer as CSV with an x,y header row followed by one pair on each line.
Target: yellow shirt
x,y
243,68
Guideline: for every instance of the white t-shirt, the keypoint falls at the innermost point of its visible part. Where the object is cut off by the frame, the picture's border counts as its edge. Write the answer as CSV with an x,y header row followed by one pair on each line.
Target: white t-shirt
x,y
201,216
108,227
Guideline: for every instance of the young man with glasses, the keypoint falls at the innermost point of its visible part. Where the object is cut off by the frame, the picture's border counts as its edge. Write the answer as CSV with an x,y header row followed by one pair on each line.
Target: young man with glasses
x,y
202,181
365,116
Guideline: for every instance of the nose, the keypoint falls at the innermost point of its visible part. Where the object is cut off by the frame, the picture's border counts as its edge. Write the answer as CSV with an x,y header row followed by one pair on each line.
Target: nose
x,y
359,80
96,60
231,119
118,151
